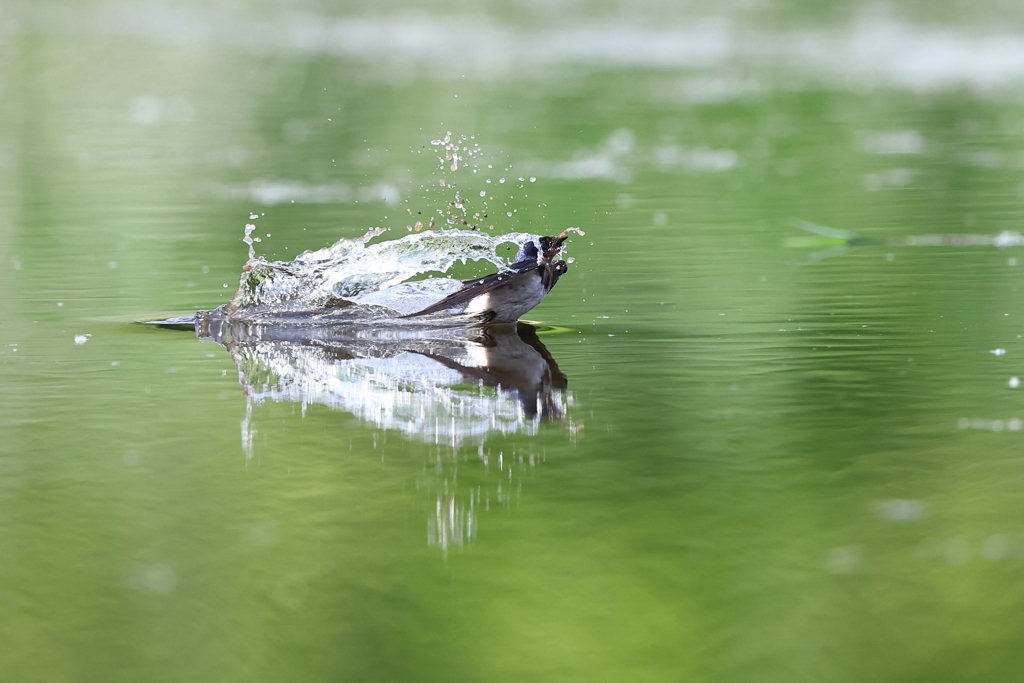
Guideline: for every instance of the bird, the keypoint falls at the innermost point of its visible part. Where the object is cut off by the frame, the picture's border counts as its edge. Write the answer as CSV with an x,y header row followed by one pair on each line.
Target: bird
x,y
506,296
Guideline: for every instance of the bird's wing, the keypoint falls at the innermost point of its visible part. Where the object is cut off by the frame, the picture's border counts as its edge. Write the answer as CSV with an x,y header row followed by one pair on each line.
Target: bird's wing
x,y
472,289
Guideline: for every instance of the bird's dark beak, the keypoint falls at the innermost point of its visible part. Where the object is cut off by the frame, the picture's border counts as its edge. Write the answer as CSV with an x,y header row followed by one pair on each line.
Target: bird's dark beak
x,y
550,246
553,245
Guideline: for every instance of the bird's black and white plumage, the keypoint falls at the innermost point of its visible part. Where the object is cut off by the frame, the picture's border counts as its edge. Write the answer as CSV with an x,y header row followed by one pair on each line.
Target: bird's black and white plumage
x,y
506,296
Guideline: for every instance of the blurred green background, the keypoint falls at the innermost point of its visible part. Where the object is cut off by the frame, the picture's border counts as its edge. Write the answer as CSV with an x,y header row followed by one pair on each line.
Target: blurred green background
x,y
780,463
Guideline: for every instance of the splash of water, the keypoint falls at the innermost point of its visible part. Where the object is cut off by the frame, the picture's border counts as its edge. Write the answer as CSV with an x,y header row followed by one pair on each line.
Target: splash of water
x,y
353,280
354,271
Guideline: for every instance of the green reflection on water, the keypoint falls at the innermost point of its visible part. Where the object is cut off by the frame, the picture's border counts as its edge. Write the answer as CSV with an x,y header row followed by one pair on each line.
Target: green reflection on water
x,y
773,468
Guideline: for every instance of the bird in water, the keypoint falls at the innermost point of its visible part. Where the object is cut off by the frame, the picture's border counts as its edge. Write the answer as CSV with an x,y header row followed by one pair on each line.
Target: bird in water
x,y
506,296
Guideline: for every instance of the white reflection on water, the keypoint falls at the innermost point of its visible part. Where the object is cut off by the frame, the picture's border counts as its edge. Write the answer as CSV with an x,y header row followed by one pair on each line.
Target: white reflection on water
x,y
153,578
958,551
607,162
695,158
890,142
1011,425
873,49
453,523
151,110
261,534
996,547
449,386
900,510
845,560
271,192
895,177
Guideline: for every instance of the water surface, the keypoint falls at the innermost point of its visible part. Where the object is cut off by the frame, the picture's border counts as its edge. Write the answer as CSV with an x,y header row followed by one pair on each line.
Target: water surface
x,y
762,454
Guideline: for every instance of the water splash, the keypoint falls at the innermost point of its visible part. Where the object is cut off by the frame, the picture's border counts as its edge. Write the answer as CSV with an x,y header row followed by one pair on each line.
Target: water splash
x,y
352,272
356,281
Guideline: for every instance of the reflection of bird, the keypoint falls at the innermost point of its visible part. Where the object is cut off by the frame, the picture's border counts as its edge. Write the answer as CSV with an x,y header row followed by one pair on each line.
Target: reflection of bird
x,y
514,359
504,297
392,375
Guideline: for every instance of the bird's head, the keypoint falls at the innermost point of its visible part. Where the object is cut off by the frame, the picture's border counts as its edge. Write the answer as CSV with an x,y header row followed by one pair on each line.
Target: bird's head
x,y
543,249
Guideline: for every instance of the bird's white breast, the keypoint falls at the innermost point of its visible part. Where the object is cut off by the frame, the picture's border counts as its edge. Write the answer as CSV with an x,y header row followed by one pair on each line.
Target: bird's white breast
x,y
480,304
511,300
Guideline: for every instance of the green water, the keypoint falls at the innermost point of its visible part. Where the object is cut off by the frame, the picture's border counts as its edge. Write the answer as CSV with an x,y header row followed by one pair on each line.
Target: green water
x,y
778,462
